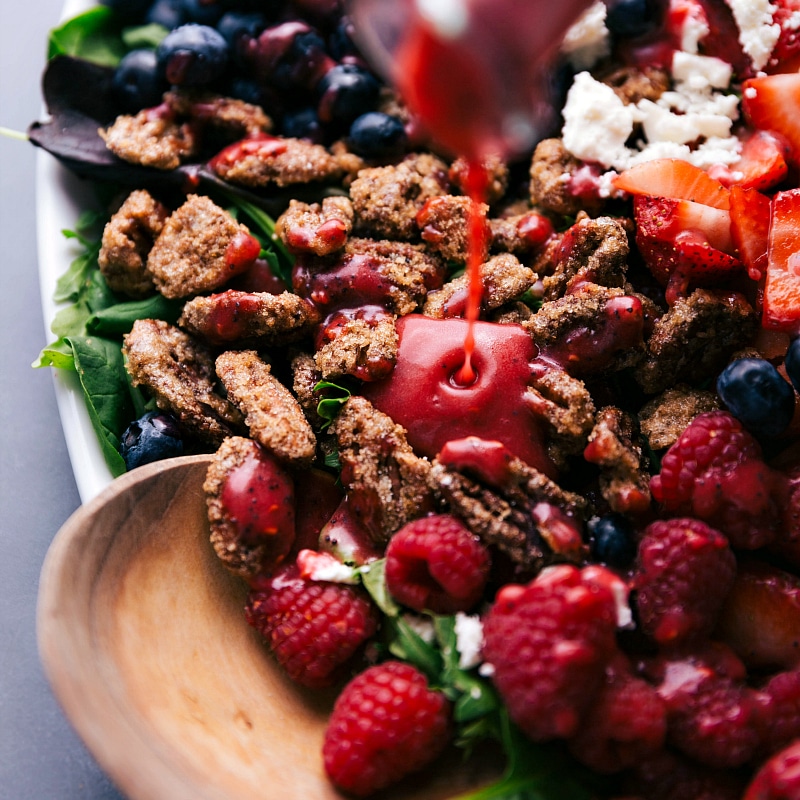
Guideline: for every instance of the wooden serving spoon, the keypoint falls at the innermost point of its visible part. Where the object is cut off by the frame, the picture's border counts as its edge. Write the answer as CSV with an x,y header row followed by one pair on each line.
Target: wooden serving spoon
x,y
142,636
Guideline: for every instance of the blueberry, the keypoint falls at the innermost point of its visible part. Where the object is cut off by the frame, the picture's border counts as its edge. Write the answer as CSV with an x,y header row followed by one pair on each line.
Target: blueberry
x,y
345,92
290,55
137,82
167,13
756,394
631,18
192,55
341,42
376,134
151,438
792,363
613,541
204,12
303,124
234,25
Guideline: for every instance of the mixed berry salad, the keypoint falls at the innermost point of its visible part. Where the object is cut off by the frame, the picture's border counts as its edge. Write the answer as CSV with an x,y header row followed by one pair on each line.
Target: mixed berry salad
x,y
587,550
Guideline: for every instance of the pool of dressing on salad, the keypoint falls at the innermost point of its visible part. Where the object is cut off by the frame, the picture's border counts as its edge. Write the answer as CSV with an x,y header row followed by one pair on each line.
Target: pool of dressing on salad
x,y
467,72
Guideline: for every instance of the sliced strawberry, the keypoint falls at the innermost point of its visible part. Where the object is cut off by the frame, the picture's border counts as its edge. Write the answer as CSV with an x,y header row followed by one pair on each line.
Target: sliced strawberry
x,y
772,103
684,243
782,286
750,214
762,164
675,179
786,53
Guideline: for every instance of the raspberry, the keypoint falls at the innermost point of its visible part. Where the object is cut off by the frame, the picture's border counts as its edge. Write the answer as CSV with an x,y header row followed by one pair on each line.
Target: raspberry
x,y
783,691
715,720
626,723
670,776
312,627
549,643
385,724
779,778
714,472
435,563
685,570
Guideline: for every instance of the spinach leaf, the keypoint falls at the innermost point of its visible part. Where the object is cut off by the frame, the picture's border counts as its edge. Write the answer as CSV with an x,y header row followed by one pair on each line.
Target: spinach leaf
x,y
104,382
117,320
334,396
58,354
144,37
92,35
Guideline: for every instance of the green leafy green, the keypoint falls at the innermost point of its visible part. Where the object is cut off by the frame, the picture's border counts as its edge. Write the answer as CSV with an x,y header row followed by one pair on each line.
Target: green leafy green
x,y
373,576
143,37
263,227
93,35
335,395
117,320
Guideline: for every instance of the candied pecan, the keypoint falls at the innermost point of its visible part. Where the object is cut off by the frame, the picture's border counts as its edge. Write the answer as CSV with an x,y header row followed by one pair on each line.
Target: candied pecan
x,y
363,348
306,376
387,484
272,414
496,171
444,223
564,404
632,84
551,171
240,555
694,339
257,318
314,228
387,199
665,417
179,373
624,483
282,161
127,239
233,117
591,251
190,255
527,516
503,279
597,329
394,274
151,138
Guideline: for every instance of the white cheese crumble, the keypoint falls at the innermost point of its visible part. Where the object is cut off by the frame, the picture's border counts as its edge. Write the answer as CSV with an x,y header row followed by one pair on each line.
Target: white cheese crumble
x,y
422,626
758,34
469,640
588,40
695,29
597,124
693,122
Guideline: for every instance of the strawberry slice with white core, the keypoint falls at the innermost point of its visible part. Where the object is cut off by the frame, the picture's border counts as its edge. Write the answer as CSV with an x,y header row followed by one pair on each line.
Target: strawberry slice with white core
x,y
772,103
762,165
750,215
675,179
782,285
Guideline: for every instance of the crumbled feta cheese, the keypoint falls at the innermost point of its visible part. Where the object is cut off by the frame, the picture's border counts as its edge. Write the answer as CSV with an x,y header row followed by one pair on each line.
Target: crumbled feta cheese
x,y
325,567
588,40
701,71
597,124
469,640
692,122
792,22
758,34
750,92
422,626
695,29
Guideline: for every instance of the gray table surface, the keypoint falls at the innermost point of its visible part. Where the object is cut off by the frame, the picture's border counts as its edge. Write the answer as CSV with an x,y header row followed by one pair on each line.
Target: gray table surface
x,y
40,755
